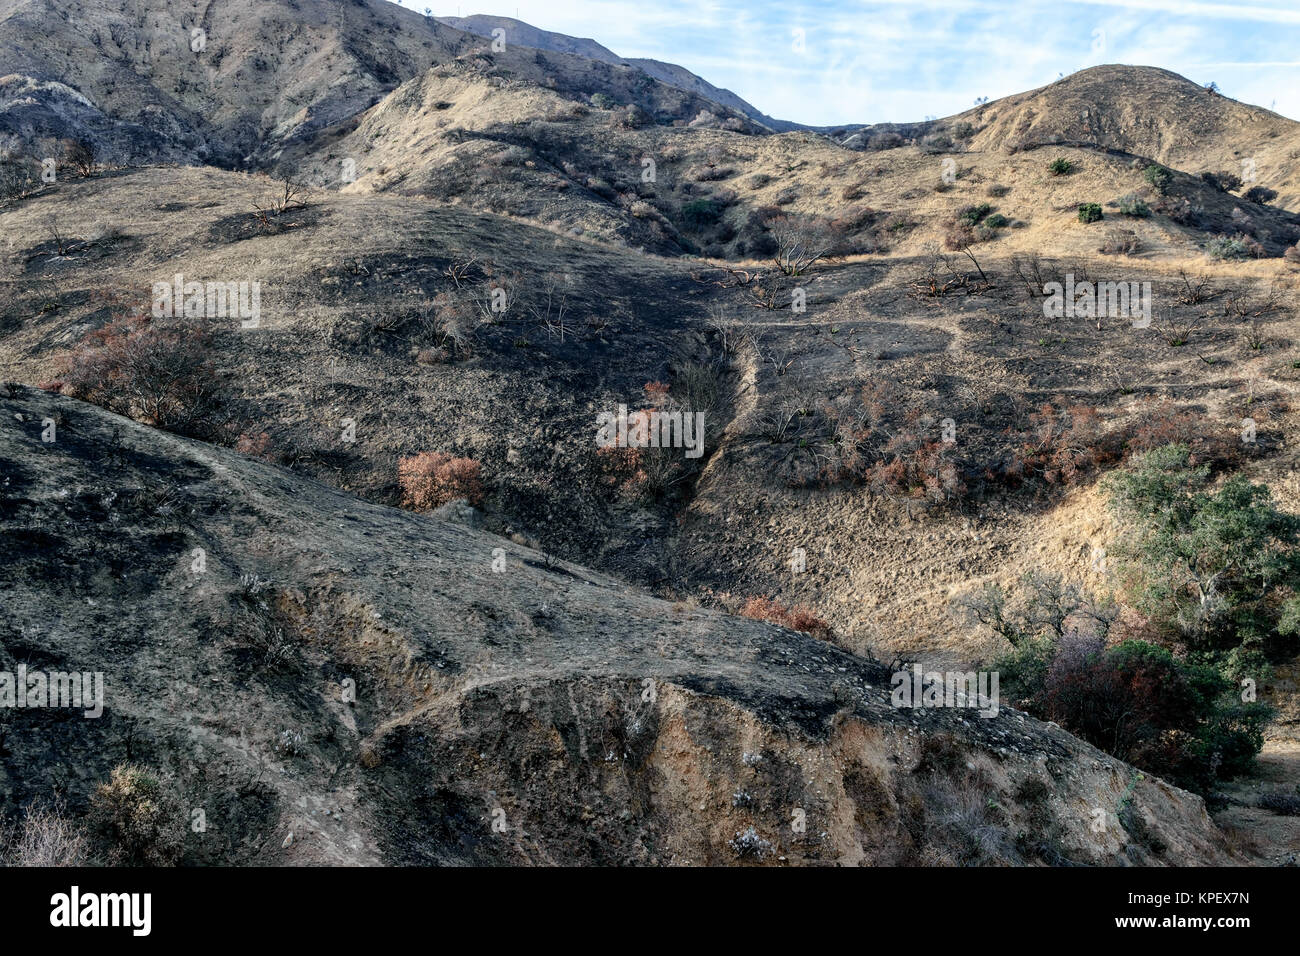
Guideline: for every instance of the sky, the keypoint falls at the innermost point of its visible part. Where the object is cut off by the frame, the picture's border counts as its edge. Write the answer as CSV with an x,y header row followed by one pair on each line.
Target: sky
x,y
872,61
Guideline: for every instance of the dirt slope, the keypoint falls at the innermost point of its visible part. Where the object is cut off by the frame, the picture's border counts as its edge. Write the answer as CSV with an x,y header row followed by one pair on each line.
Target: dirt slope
x,y
522,397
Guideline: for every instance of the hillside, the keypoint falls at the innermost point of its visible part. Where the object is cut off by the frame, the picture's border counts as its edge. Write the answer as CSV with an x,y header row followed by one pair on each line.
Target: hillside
x,y
530,152
463,258
1143,111
264,73
133,79
600,724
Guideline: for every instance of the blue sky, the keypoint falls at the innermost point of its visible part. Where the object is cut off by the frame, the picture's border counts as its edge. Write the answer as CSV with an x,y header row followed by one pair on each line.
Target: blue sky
x,y
898,60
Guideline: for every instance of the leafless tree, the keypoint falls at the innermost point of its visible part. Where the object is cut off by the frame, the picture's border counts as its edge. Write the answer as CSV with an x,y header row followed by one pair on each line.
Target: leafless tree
x,y
1029,270
16,181
800,243
80,156
287,196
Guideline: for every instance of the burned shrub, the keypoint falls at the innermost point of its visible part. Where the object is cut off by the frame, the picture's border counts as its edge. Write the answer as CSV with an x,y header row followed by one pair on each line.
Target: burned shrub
x,y
1062,446
433,478
794,617
19,178
154,370
45,837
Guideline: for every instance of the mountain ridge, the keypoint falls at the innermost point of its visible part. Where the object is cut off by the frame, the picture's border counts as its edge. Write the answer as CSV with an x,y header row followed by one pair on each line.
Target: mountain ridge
x,y
671,73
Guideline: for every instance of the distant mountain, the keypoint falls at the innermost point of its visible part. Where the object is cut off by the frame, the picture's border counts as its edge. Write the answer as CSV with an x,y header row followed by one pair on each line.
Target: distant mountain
x,y
234,82
188,81
1143,111
516,31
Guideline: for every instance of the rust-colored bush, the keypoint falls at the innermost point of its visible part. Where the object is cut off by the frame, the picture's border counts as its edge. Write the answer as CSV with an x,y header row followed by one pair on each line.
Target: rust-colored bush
x,y
1063,446
256,445
1208,441
796,617
155,371
621,468
916,468
433,478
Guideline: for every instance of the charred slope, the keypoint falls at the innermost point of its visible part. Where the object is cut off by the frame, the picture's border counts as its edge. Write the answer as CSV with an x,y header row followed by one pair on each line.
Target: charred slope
x,y
285,650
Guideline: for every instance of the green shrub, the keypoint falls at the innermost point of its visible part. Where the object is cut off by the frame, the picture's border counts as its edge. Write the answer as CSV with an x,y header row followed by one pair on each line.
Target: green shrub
x,y
1131,205
1216,566
1023,671
1089,212
1158,177
701,213
972,215
996,221
1227,247
1138,702
1060,166
1179,717
602,101
1226,744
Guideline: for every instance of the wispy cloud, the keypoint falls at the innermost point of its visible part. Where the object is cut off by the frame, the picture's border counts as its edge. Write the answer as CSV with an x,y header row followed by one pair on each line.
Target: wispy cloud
x,y
878,60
